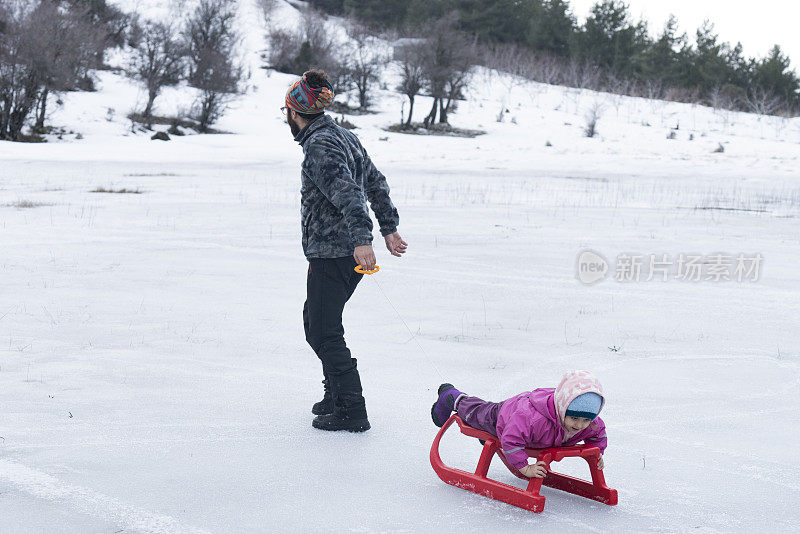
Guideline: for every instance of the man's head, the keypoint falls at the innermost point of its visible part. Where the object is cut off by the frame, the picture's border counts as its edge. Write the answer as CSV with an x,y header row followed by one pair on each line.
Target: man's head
x,y
307,99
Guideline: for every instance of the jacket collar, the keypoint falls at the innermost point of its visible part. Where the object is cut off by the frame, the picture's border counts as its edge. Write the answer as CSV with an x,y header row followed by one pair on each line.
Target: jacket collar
x,y
320,122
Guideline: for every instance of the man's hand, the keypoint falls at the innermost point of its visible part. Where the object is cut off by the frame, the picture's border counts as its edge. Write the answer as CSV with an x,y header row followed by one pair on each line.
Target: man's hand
x,y
536,470
365,256
395,244
600,463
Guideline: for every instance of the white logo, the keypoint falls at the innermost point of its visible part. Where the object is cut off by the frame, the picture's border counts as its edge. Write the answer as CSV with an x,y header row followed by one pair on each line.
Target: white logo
x,y
591,267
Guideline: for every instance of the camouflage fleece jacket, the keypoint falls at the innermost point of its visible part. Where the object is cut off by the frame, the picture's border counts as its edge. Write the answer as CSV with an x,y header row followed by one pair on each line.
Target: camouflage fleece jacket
x,y
337,179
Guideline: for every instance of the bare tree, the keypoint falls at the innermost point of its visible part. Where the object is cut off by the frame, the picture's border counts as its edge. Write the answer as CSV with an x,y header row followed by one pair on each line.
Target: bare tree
x,y
458,80
618,87
267,8
721,103
18,88
583,75
593,115
449,57
43,48
366,61
317,50
504,57
109,20
549,68
283,47
681,94
66,45
159,61
410,56
437,60
654,89
310,46
762,101
5,15
211,45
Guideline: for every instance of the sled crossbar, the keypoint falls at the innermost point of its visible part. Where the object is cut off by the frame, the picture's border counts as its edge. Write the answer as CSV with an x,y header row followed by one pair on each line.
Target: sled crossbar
x,y
529,498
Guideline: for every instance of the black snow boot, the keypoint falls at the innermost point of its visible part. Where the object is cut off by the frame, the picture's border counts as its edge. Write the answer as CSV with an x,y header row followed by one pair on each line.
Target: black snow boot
x,y
325,406
349,414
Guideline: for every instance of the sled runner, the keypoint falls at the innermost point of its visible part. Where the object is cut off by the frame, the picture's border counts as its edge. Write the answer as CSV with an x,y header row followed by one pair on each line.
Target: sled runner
x,y
529,498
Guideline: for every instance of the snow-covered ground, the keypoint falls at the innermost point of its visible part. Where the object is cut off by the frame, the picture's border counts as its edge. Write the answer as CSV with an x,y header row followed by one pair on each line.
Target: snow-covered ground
x,y
154,375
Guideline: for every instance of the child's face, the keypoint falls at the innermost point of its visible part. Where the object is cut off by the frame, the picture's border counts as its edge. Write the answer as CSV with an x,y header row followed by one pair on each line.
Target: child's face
x,y
575,424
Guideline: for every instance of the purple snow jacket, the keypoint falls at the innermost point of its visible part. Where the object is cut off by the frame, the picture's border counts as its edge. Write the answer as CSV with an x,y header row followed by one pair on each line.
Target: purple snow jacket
x,y
530,420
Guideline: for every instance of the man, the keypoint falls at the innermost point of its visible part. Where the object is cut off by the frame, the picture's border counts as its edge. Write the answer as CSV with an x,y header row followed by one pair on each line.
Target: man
x,y
337,179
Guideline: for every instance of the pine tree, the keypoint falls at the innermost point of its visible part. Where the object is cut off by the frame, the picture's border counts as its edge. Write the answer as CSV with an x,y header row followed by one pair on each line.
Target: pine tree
x,y
773,74
419,12
504,21
610,39
710,65
552,27
378,12
334,7
669,57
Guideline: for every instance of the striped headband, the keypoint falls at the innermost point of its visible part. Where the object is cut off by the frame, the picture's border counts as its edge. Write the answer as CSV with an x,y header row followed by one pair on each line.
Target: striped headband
x,y
303,98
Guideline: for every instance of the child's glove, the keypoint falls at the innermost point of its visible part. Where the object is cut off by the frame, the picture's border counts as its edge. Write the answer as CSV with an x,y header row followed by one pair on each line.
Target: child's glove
x,y
600,463
536,470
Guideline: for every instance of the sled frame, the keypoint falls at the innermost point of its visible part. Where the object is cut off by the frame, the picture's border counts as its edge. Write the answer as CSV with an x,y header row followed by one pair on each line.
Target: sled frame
x,y
530,498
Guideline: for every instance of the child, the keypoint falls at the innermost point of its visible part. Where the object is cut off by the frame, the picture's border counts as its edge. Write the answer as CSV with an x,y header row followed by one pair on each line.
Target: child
x,y
537,419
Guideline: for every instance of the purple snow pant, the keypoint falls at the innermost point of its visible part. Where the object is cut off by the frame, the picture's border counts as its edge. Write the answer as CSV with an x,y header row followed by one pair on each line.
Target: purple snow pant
x,y
479,413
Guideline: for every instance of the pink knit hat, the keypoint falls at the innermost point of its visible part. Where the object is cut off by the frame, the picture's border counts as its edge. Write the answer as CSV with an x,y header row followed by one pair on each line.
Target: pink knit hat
x,y
573,384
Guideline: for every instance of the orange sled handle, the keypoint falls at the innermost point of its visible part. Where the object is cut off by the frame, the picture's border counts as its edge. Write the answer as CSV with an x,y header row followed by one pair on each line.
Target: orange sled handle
x,y
360,270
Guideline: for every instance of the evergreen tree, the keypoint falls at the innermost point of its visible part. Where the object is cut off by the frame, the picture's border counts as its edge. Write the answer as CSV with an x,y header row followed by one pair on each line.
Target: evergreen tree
x,y
334,7
552,27
668,58
378,12
504,21
420,12
740,68
711,65
610,39
774,75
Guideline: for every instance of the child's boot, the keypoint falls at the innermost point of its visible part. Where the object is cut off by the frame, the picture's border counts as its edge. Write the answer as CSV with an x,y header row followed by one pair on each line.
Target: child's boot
x,y
444,406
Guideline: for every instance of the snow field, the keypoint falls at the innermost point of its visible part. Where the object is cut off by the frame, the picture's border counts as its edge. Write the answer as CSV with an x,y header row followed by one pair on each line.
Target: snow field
x,y
154,375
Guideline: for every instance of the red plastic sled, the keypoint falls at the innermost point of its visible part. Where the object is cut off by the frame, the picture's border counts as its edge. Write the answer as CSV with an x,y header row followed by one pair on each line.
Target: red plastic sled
x,y
529,498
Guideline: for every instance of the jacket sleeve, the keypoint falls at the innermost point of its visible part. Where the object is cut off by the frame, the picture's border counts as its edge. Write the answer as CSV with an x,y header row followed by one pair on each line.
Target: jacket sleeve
x,y
514,439
378,195
326,165
598,436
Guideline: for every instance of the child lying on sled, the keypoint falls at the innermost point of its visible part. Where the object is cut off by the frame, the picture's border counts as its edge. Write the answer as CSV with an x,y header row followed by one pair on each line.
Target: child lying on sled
x,y
537,419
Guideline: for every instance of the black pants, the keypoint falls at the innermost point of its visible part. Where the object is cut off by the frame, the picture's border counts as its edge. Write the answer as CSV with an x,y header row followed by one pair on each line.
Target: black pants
x,y
329,285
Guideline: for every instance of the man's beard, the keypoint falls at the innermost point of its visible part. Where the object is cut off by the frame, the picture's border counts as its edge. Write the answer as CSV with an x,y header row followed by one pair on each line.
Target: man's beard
x,y
293,126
